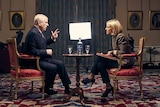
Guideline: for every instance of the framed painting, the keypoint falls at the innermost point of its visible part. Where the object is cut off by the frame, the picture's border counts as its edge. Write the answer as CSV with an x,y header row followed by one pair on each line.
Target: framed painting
x,y
134,20
16,19
154,17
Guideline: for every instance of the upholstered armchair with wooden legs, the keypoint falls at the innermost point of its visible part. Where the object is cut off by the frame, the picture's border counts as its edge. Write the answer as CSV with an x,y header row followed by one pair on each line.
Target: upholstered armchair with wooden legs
x,y
134,73
18,73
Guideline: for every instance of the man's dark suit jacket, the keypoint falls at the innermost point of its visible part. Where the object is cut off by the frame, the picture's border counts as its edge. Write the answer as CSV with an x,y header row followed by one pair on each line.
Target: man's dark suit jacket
x,y
36,45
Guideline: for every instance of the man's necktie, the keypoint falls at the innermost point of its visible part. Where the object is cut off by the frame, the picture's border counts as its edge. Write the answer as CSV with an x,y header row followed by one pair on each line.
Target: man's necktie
x,y
42,35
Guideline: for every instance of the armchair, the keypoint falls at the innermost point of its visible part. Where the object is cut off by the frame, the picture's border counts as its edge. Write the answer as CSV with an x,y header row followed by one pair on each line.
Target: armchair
x,y
18,73
134,73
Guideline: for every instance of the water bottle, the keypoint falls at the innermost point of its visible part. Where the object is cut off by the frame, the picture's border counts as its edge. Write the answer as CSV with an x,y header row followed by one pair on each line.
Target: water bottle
x,y
79,46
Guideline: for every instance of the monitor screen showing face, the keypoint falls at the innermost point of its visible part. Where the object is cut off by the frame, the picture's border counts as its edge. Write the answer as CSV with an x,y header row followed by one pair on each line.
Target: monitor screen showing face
x,y
80,30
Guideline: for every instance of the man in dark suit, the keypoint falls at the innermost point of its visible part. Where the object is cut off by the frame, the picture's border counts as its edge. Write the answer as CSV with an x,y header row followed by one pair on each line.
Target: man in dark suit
x,y
36,44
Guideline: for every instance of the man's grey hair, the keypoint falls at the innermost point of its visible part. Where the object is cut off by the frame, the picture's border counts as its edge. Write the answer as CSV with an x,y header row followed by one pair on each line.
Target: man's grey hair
x,y
39,18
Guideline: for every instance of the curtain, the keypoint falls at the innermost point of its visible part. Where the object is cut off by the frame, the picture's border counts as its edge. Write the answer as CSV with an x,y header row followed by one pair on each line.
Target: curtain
x,y
63,12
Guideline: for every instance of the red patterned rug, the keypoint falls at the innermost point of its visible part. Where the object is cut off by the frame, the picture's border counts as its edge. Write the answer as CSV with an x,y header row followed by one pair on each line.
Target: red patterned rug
x,y
128,95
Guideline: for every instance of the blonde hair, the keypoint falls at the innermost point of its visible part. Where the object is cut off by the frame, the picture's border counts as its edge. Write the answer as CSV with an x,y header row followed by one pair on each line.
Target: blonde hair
x,y
115,25
39,18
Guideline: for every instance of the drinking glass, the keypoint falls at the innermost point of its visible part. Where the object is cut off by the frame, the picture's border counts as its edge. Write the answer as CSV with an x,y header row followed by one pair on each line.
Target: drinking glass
x,y
87,49
70,49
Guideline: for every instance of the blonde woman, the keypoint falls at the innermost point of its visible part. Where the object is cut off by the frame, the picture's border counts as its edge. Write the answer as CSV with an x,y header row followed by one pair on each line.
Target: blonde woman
x,y
120,44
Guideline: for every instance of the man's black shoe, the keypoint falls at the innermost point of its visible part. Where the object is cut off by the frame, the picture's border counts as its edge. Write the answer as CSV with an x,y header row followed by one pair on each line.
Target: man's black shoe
x,y
49,91
67,91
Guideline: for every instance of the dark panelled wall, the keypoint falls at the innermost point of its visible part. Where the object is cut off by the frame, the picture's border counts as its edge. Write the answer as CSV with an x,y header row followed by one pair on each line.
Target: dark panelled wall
x,y
63,12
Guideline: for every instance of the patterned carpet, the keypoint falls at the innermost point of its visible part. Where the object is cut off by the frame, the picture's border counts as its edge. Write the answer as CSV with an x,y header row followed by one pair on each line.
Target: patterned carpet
x,y
128,95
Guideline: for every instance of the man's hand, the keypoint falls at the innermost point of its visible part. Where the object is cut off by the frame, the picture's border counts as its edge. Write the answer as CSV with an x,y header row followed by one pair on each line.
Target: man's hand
x,y
49,52
55,34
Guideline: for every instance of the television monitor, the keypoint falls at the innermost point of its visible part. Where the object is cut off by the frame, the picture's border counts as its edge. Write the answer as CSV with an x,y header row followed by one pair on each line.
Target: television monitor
x,y
80,30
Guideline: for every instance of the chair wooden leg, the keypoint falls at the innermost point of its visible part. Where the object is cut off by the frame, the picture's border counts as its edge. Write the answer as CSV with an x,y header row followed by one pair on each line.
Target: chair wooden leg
x,y
141,91
117,85
10,92
115,88
16,92
43,84
32,86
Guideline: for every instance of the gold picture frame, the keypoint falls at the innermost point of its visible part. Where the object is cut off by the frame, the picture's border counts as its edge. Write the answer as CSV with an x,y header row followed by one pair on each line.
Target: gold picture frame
x,y
0,19
154,17
134,20
16,19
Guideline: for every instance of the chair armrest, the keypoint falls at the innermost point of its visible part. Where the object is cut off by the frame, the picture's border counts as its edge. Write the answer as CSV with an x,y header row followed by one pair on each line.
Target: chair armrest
x,y
122,56
32,58
134,54
26,56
